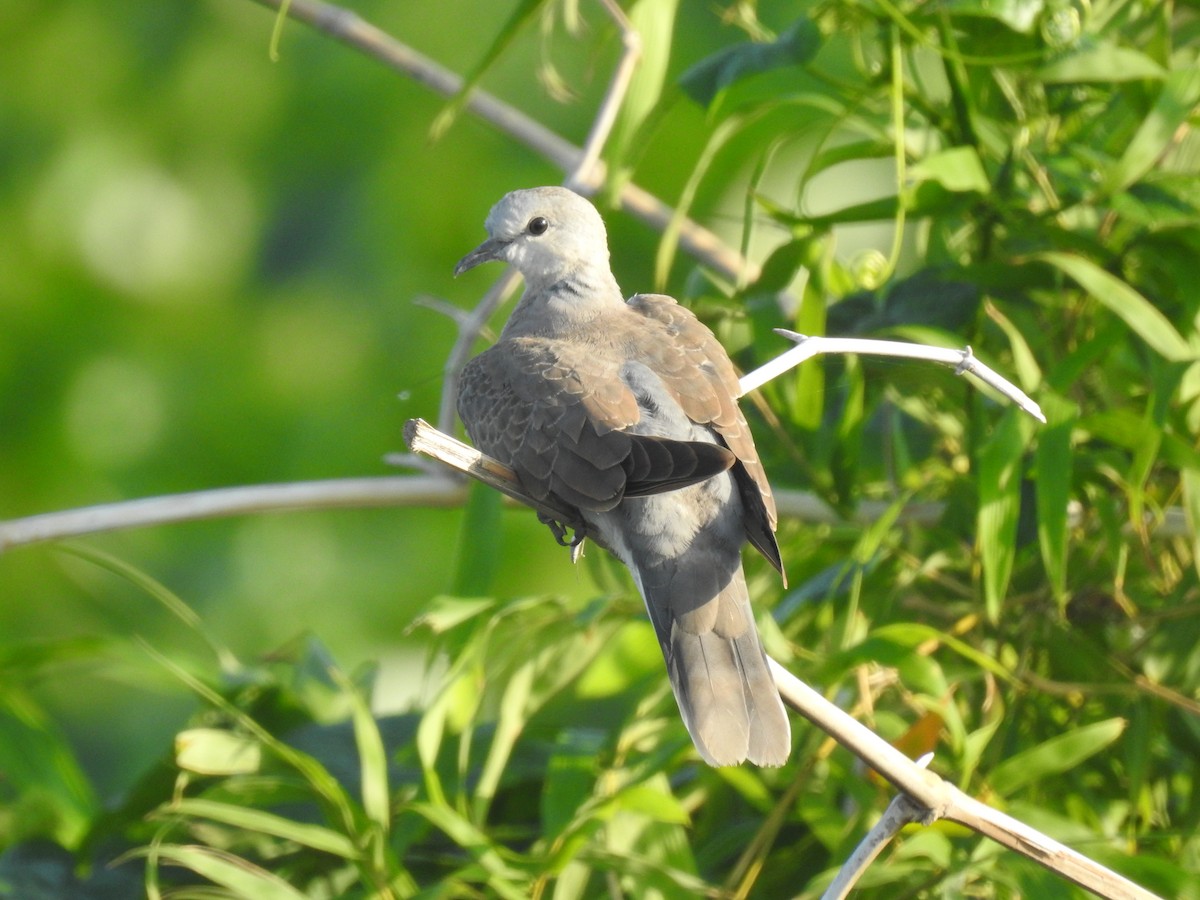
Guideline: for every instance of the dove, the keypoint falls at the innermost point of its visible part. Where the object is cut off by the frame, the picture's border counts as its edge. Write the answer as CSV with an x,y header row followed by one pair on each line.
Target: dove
x,y
626,412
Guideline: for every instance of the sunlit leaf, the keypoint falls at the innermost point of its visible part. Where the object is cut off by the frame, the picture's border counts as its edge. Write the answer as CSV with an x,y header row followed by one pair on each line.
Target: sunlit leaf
x,y
1136,311
1176,102
519,19
1019,15
956,169
1053,467
215,751
242,877
707,79
1104,62
999,486
654,22
1054,756
255,820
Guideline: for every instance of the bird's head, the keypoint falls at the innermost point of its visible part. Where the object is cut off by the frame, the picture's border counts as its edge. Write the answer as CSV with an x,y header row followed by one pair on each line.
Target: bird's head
x,y
544,233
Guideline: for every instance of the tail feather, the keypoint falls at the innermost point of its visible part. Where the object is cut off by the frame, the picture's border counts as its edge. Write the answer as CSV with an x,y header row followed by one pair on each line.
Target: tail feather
x,y
722,683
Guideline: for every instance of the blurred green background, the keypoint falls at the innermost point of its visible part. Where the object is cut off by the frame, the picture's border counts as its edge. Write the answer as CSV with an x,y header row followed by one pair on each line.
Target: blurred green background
x,y
207,275
209,264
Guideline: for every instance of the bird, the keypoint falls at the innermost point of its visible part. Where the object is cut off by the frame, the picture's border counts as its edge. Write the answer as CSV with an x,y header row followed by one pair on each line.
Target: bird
x,y
625,411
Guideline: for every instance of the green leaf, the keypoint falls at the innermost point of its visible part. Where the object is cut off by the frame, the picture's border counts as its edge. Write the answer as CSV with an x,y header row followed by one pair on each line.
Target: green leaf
x,y
514,709
216,751
38,767
1053,464
958,169
1132,308
444,612
1101,63
372,757
1176,102
504,880
1191,508
708,79
808,405
1020,15
890,643
315,774
570,778
255,820
999,486
480,542
518,21
1055,756
239,875
655,801
654,22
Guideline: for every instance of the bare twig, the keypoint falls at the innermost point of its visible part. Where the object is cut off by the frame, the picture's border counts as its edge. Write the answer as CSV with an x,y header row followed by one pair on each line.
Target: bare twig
x,y
935,797
900,812
336,493
347,493
587,173
352,30
406,490
964,362
468,330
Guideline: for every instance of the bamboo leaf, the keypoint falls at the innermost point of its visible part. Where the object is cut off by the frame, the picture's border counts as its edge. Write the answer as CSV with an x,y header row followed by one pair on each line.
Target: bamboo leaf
x,y
256,820
999,487
238,875
708,79
1176,102
518,21
1055,756
1143,318
217,751
1053,465
1103,62
654,22
957,169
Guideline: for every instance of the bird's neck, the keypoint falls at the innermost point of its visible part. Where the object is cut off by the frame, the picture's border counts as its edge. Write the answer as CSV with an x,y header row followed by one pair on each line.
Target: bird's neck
x,y
559,307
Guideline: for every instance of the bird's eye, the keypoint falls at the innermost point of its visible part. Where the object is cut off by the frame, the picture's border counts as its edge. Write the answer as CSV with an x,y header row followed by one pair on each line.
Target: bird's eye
x,y
537,226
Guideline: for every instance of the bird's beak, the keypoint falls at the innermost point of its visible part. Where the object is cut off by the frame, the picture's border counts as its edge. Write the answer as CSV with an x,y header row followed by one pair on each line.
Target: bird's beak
x,y
488,251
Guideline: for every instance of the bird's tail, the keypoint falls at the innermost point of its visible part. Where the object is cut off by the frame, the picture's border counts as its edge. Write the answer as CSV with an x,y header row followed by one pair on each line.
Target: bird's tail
x,y
718,669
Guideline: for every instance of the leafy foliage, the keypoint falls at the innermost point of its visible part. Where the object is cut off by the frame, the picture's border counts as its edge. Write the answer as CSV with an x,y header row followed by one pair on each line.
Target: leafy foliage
x,y
1016,176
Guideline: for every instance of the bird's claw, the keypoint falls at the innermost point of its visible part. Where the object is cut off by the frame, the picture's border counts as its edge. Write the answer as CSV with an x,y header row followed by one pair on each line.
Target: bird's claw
x,y
563,536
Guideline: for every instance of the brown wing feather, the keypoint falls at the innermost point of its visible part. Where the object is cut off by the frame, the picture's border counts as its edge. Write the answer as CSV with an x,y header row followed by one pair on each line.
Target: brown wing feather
x,y
547,410
692,349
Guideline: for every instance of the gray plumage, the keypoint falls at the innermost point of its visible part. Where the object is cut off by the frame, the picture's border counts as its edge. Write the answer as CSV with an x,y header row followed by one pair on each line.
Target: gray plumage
x,y
627,411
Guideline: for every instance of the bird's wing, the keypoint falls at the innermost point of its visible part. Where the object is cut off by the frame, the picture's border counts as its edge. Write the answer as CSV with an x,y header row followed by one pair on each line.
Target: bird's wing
x,y
696,369
553,413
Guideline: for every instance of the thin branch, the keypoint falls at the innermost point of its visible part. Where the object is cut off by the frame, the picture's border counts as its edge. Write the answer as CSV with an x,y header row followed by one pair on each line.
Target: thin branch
x,y
468,330
347,493
586,174
900,812
352,30
936,798
963,361
395,491
342,493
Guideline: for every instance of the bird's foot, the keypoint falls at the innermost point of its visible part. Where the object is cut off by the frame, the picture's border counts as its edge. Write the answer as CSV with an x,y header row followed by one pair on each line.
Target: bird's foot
x,y
563,536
